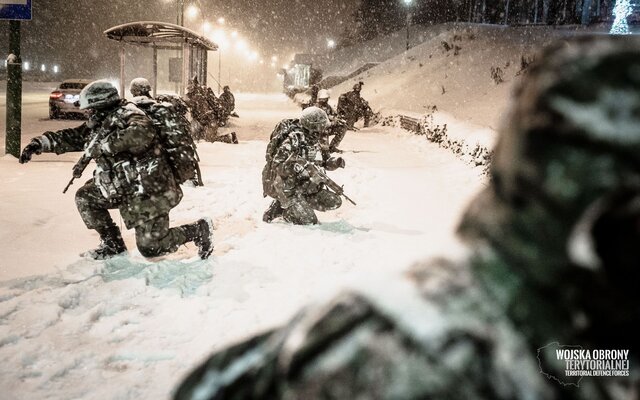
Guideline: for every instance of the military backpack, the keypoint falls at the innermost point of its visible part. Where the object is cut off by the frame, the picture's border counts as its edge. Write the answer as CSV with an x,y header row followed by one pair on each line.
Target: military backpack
x,y
175,138
279,134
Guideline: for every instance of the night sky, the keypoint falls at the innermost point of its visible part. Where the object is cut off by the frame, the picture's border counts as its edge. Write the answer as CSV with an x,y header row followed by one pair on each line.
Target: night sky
x,y
69,32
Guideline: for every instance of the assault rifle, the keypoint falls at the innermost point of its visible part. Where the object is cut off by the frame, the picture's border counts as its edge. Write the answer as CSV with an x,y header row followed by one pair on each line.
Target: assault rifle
x,y
84,161
321,177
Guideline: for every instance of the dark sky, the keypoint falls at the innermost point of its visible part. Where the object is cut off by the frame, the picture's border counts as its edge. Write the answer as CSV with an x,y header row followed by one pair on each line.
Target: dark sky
x,y
69,32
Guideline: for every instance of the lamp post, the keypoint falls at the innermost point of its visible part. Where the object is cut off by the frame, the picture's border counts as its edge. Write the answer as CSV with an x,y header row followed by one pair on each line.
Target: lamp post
x,y
408,4
180,18
219,68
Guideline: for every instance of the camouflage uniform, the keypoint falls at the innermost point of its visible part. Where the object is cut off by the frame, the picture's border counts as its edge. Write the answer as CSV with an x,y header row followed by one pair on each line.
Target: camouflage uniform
x,y
228,101
313,91
553,257
132,174
352,107
207,115
337,129
286,179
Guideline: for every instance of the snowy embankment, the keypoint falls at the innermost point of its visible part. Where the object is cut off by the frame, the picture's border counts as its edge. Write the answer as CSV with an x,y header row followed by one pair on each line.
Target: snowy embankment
x,y
465,71
131,328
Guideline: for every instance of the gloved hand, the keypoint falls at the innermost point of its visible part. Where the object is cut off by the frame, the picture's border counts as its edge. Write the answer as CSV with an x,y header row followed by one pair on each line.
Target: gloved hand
x,y
34,147
301,171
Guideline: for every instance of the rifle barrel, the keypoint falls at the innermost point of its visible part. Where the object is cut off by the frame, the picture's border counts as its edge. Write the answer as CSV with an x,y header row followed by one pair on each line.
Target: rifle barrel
x,y
68,184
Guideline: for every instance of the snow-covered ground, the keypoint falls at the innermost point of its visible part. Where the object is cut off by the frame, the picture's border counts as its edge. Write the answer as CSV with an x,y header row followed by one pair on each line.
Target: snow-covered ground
x,y
131,328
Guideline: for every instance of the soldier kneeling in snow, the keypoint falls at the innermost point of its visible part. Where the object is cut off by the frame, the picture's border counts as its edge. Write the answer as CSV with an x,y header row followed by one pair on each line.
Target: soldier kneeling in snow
x,y
292,175
132,174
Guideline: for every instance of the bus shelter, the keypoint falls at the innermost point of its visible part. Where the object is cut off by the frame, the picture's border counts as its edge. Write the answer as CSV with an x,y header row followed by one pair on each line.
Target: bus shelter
x,y
162,36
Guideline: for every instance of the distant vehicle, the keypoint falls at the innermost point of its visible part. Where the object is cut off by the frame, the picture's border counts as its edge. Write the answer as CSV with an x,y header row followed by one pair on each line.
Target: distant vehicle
x,y
64,100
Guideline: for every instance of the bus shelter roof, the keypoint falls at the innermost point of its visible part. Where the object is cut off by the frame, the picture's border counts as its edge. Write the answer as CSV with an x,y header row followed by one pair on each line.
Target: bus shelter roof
x,y
161,35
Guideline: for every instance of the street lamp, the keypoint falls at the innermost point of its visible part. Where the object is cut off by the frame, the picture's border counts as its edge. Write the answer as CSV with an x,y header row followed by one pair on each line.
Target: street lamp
x,y
408,4
331,43
192,11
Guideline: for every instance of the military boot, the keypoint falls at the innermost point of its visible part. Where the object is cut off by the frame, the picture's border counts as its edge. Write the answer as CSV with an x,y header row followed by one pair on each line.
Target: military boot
x,y
201,233
274,211
111,244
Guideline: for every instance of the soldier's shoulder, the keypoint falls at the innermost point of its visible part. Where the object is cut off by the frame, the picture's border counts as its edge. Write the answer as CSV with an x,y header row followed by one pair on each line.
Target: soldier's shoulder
x,y
128,110
387,337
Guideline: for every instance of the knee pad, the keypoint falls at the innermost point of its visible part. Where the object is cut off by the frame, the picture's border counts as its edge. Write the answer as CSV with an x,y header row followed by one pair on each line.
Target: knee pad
x,y
300,213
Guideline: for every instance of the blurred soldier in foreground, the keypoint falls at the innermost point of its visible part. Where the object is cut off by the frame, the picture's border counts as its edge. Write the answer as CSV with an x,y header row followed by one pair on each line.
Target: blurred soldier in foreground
x,y
133,174
553,257
337,127
293,177
352,107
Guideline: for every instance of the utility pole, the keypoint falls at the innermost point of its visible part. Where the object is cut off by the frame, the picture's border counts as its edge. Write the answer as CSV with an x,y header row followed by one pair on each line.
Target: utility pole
x,y
408,4
14,91
408,22
180,20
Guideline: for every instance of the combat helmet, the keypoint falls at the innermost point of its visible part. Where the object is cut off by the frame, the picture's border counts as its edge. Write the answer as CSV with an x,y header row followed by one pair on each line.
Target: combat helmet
x,y
314,119
140,87
323,94
98,94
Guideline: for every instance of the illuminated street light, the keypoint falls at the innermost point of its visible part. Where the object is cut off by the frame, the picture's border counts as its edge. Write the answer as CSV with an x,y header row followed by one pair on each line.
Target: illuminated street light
x,y
241,44
56,69
192,11
331,43
274,58
221,20
43,68
234,34
26,65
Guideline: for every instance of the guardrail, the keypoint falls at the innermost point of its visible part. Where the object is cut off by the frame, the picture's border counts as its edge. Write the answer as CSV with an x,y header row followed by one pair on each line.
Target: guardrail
x,y
476,155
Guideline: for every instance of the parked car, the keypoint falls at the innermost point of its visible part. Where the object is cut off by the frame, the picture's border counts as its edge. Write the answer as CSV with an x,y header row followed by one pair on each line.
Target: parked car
x,y
64,100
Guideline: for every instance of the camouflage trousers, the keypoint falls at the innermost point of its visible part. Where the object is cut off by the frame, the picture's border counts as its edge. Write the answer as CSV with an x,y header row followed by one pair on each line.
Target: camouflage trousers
x,y
300,208
338,133
352,118
154,237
